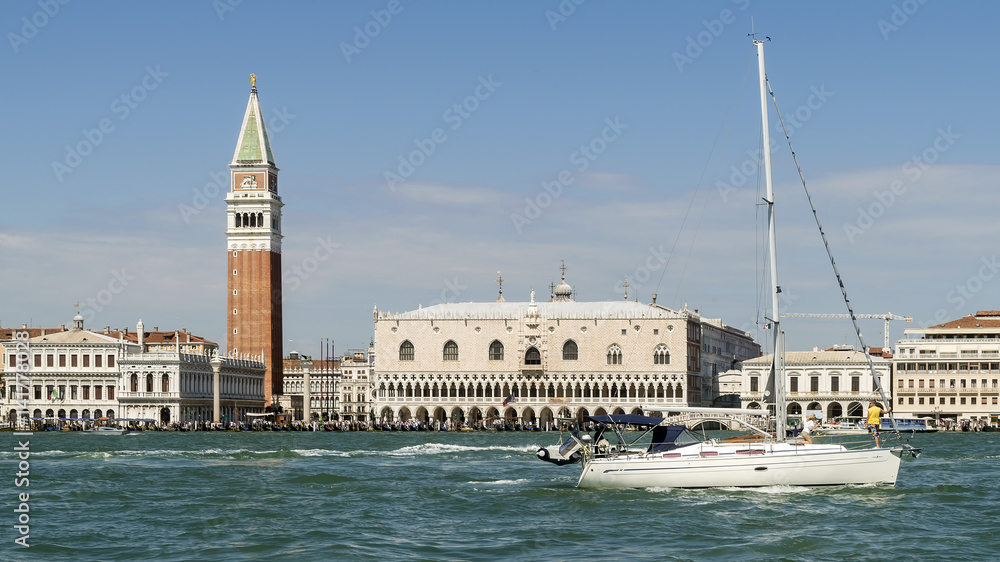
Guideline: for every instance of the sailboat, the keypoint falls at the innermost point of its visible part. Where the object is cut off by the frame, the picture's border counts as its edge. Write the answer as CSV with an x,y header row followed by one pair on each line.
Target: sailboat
x,y
677,458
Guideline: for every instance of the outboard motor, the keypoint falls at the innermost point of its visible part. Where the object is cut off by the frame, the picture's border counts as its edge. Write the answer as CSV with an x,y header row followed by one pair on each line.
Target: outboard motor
x,y
567,453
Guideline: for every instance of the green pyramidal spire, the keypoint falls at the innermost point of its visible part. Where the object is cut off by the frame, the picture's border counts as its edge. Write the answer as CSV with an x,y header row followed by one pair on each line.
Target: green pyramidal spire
x,y
253,147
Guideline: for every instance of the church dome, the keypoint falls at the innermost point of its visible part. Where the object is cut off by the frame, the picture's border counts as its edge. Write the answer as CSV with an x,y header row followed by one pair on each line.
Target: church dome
x,y
563,291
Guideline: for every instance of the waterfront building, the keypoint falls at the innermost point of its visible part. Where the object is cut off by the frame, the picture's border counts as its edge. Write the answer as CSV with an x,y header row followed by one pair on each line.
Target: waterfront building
x,y
533,362
833,383
356,388
951,371
253,242
723,349
164,376
324,379
73,374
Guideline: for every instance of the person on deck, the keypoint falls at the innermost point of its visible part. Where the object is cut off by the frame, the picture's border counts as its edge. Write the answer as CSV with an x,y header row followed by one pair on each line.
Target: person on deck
x,y
875,419
811,424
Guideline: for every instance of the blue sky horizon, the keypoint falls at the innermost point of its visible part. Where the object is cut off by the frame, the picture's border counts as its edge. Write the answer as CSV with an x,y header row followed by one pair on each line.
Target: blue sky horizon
x,y
425,147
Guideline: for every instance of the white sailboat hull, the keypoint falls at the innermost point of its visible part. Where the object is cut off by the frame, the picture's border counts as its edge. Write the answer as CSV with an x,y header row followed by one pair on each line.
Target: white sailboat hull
x,y
743,466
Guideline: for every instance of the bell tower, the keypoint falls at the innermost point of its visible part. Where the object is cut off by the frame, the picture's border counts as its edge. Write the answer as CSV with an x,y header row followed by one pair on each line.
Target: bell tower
x,y
253,241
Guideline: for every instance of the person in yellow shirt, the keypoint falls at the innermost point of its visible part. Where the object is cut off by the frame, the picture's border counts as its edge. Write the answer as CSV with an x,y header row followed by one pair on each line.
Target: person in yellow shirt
x,y
875,419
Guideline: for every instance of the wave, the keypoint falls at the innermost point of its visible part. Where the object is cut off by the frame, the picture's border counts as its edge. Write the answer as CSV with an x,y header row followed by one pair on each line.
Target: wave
x,y
442,448
498,482
250,454
321,453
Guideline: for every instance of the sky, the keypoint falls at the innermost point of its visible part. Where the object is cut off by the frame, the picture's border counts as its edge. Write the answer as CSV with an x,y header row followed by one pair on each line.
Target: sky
x,y
426,146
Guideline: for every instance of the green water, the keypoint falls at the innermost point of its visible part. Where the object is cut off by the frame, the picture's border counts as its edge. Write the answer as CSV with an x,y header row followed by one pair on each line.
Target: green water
x,y
464,496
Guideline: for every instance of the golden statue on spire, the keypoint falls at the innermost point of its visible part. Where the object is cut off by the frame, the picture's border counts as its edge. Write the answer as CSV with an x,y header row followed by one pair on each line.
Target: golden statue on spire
x,y
253,80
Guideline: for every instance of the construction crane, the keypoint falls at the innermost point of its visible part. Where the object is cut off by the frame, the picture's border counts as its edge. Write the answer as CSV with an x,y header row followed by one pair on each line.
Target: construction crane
x,y
887,317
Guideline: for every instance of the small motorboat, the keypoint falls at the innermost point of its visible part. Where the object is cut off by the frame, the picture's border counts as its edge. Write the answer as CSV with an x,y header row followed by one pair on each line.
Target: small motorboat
x,y
106,430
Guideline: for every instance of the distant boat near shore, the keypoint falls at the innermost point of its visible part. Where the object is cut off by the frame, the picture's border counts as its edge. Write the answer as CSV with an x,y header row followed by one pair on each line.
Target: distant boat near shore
x,y
106,430
907,424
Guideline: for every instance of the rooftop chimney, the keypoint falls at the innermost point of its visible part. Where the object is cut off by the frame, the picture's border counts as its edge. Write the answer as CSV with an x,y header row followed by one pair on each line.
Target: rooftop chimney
x,y
62,327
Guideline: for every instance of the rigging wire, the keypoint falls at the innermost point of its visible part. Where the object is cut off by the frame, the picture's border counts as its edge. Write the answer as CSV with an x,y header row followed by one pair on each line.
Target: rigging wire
x,y
680,231
833,263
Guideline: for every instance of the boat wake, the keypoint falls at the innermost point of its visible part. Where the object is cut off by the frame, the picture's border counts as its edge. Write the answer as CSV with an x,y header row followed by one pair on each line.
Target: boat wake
x,y
444,448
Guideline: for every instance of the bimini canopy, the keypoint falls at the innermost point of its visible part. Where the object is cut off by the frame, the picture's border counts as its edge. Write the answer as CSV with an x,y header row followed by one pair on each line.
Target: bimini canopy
x,y
668,437
626,419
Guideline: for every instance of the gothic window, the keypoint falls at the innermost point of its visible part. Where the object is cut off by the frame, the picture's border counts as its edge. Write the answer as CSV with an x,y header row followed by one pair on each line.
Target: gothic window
x,y
661,355
614,355
406,351
496,351
532,357
451,351
570,351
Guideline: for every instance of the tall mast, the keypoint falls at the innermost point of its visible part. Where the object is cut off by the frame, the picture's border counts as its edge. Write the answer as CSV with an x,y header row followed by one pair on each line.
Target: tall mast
x,y
778,370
